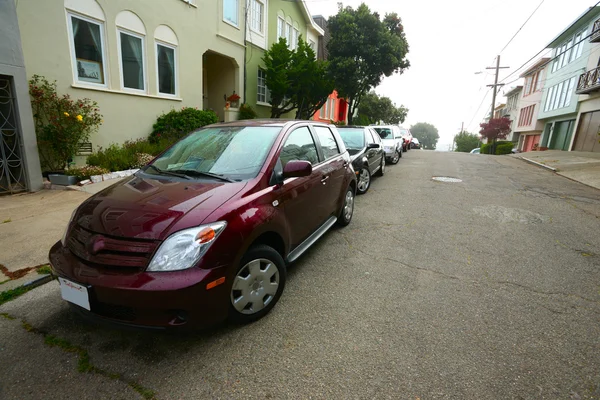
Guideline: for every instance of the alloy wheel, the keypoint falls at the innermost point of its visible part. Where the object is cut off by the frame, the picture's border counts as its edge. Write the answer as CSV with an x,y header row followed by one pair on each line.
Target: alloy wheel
x,y
255,286
364,180
349,205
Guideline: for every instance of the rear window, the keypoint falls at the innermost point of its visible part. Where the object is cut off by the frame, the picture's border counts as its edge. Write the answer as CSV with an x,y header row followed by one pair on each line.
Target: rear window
x,y
354,138
385,133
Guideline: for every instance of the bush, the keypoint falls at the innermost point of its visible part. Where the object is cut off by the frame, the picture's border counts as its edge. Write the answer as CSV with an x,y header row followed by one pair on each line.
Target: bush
x,y
132,154
174,125
61,123
504,148
247,112
85,172
485,148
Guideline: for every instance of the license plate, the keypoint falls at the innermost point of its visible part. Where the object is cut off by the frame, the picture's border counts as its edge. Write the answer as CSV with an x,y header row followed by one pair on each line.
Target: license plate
x,y
74,293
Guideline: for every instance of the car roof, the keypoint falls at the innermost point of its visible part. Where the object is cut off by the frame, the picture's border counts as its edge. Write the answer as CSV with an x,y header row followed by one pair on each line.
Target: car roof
x,y
274,122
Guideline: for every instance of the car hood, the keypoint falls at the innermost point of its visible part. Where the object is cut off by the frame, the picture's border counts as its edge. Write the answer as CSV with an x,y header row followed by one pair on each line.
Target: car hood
x,y
145,207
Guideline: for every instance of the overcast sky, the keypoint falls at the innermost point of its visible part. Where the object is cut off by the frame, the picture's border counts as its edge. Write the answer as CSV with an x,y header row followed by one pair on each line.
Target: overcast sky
x,y
450,41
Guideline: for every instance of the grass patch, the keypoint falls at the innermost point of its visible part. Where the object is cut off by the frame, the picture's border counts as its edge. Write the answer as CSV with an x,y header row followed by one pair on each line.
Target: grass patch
x,y
8,280
44,270
7,316
12,294
6,221
84,358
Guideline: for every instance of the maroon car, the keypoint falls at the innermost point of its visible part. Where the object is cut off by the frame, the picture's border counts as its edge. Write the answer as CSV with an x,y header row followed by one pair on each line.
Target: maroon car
x,y
205,231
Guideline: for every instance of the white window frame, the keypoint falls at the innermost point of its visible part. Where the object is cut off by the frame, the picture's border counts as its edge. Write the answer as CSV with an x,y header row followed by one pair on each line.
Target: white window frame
x,y
280,28
120,57
296,37
289,29
267,101
571,86
76,80
323,110
253,10
235,23
332,110
175,68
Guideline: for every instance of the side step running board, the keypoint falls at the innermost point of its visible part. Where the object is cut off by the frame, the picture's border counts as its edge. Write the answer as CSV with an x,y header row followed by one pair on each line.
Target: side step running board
x,y
302,247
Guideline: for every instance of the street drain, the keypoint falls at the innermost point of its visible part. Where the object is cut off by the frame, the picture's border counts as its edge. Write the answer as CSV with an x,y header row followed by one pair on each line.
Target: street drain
x,y
446,179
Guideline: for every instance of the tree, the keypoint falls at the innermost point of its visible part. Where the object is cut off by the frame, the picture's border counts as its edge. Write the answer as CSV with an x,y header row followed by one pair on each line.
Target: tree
x,y
495,128
374,109
296,79
426,133
465,142
362,50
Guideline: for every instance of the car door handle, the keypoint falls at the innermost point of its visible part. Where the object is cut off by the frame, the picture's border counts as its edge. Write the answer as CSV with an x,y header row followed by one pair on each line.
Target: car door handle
x,y
324,180
346,164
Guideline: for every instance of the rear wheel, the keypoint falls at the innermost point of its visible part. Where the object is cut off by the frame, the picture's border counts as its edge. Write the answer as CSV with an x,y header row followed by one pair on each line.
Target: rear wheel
x,y
257,285
364,181
347,209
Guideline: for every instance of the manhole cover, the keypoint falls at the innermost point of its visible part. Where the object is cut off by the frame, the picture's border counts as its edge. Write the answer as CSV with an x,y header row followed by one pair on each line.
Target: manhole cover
x,y
446,179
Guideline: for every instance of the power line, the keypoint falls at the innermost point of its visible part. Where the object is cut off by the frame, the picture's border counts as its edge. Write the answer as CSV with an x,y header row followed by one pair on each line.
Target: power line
x,y
478,108
524,23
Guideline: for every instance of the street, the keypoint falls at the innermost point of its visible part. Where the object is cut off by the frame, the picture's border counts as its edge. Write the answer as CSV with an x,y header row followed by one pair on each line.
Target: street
x,y
487,288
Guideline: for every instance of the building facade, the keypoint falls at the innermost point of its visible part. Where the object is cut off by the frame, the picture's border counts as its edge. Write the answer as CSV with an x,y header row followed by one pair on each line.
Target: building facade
x,y
268,21
528,127
136,59
19,161
511,111
560,103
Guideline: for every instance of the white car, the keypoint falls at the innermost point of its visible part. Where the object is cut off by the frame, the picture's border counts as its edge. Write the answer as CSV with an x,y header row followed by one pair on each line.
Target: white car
x,y
392,140
476,151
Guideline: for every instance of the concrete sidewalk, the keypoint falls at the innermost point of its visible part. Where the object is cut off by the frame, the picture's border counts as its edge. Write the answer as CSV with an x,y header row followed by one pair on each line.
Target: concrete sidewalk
x,y
579,166
31,223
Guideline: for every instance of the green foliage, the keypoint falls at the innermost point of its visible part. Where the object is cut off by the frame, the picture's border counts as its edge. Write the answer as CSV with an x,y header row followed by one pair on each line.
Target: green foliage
x,y
247,112
132,154
501,148
85,172
296,79
61,123
465,142
12,294
374,109
44,270
362,50
426,133
174,125
486,148
340,123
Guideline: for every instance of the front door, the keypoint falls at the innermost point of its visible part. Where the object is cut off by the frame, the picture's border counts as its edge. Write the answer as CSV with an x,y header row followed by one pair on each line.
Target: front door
x,y
373,155
300,197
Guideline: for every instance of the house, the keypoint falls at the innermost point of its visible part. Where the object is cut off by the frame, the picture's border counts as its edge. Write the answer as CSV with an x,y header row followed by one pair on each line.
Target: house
x,y
136,59
559,109
528,127
511,111
335,108
587,128
269,20
19,161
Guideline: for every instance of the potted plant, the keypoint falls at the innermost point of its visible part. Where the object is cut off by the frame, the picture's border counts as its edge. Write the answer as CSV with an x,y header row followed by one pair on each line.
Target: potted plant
x,y
233,100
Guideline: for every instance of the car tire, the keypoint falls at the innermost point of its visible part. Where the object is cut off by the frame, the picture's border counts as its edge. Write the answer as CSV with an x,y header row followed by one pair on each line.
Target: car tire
x,y
381,171
364,180
347,210
395,158
250,301
400,153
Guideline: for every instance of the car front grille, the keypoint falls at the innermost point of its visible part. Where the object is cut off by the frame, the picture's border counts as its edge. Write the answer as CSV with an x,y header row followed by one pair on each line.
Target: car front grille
x,y
110,251
114,311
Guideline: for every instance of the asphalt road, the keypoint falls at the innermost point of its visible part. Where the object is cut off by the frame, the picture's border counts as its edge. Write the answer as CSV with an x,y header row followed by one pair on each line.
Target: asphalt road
x,y
487,288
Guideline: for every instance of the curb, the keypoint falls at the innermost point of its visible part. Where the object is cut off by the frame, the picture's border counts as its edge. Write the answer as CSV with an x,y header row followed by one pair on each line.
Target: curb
x,y
39,281
539,164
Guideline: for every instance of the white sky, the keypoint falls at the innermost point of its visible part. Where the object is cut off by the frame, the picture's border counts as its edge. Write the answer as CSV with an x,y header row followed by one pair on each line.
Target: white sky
x,y
450,41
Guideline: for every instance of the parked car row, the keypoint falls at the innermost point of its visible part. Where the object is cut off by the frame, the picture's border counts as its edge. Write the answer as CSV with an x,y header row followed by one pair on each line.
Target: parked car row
x,y
206,230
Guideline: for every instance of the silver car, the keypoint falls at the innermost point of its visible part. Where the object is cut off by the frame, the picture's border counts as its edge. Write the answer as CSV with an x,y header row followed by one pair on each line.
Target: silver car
x,y
391,138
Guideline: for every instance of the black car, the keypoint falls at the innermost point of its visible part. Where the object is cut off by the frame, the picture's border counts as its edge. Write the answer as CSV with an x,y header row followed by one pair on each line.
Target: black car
x,y
366,152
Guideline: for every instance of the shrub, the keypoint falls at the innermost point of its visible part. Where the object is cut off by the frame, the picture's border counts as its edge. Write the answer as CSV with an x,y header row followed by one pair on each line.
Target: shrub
x,y
61,123
486,148
142,159
131,154
504,147
173,125
85,172
340,123
247,112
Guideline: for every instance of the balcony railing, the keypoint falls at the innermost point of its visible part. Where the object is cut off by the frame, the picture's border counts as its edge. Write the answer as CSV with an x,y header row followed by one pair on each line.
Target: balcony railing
x,y
595,32
589,81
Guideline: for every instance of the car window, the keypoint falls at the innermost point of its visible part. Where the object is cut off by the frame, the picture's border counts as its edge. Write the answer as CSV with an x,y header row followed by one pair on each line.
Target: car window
x,y
375,137
384,133
329,146
369,135
299,146
354,138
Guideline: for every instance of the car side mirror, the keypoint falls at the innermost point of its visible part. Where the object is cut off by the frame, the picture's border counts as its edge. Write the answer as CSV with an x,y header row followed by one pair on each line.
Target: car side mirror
x,y
373,146
297,169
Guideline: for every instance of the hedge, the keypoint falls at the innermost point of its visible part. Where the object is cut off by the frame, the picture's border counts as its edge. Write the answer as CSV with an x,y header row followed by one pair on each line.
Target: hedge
x,y
503,147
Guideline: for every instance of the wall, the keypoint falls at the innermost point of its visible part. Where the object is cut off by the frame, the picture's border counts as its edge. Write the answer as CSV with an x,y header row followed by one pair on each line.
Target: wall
x,y
12,65
126,115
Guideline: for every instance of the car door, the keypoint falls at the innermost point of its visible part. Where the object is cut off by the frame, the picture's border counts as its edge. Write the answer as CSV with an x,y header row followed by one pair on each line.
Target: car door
x,y
332,169
374,154
301,197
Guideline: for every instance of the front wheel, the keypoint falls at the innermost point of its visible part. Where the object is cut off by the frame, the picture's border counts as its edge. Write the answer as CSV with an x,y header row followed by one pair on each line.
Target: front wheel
x,y
395,158
364,181
347,209
257,285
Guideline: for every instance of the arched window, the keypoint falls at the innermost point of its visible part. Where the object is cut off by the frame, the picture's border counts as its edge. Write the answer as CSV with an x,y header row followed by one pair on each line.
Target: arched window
x,y
131,33
166,60
86,37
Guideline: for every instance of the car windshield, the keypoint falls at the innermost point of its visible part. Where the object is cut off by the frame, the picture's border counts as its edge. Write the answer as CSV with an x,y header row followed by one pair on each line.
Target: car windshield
x,y
354,138
233,153
385,133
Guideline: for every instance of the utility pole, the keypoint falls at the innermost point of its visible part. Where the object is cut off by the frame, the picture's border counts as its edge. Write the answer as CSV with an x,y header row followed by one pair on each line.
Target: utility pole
x,y
495,86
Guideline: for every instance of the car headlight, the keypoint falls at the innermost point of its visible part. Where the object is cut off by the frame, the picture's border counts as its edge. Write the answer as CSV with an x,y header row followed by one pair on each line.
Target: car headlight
x,y
183,249
63,240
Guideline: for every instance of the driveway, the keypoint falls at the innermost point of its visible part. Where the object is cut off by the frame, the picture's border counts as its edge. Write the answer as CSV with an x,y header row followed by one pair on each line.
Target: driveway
x,y
487,288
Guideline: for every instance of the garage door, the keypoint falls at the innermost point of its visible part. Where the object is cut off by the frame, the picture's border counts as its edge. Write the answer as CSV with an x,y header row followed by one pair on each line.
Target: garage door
x,y
588,137
561,137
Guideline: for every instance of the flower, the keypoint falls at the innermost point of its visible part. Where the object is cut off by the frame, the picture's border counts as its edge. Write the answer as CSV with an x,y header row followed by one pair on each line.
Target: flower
x,y
233,97
79,118
66,114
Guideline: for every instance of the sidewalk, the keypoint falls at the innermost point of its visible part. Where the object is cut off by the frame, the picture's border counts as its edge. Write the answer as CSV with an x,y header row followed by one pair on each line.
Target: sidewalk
x,y
31,223
579,166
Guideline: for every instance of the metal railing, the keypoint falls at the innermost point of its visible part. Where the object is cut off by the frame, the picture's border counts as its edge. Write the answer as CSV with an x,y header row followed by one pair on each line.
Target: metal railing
x,y
589,81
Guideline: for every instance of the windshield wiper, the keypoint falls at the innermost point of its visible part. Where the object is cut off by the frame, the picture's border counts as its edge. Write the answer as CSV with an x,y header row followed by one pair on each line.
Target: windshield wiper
x,y
192,172
164,172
